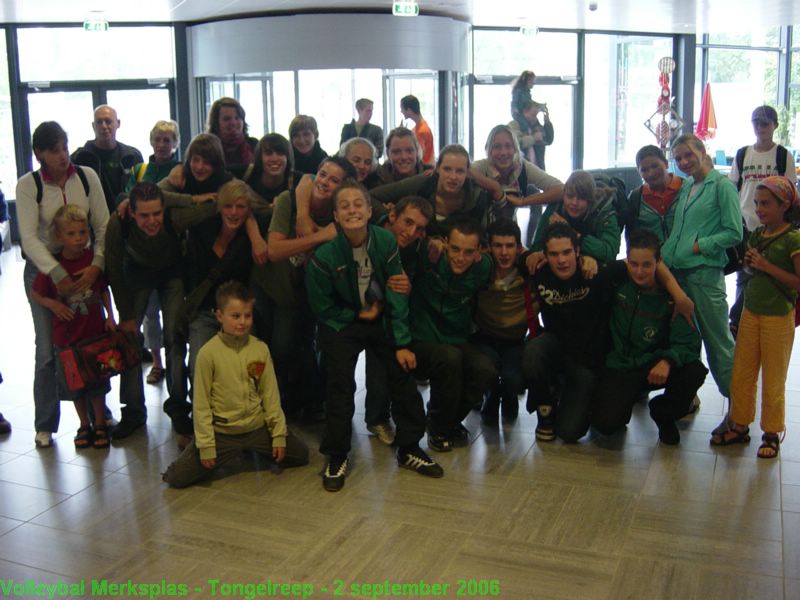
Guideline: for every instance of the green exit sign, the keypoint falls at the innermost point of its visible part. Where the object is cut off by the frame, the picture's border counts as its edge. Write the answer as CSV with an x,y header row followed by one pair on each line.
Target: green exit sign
x,y
405,8
95,25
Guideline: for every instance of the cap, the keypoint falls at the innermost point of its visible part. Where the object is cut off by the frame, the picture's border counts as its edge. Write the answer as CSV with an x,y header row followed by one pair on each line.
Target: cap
x,y
766,113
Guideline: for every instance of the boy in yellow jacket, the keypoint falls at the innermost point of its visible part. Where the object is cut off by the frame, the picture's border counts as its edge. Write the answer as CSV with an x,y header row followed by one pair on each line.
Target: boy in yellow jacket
x,y
236,401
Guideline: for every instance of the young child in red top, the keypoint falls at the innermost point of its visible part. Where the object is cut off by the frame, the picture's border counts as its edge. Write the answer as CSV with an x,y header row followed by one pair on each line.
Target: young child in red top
x,y
78,316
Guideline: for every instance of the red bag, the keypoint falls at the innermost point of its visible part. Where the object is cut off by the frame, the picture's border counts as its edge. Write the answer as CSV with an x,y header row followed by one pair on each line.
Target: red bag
x,y
100,358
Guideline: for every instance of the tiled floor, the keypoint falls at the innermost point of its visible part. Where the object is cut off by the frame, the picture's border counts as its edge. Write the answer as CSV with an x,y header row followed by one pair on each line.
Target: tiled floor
x,y
611,518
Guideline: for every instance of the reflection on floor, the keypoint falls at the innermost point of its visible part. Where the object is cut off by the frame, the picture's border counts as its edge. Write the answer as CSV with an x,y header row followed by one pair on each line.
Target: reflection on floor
x,y
608,518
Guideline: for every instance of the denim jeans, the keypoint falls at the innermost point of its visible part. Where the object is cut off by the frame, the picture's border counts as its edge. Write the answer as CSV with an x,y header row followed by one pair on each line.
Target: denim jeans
x,y
45,391
202,328
170,297
151,326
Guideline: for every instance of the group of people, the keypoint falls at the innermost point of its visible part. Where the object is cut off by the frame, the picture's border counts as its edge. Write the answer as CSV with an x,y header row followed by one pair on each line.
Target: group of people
x,y
274,266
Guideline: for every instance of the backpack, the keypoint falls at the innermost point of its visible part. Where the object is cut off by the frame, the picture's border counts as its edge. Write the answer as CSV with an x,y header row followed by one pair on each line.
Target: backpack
x,y
633,206
37,179
780,163
619,197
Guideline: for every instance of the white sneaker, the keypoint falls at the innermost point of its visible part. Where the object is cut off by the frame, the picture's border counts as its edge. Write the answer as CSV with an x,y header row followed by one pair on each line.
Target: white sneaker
x,y
43,439
384,431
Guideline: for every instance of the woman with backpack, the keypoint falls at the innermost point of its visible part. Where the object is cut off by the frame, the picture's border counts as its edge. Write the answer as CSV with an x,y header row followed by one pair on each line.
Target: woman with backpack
x,y
39,195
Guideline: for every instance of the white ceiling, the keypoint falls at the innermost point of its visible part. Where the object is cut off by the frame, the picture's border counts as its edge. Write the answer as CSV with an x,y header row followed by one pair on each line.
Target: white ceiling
x,y
669,16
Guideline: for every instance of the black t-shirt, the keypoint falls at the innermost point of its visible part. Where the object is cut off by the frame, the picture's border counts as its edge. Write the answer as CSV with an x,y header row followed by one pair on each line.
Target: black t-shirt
x,y
576,310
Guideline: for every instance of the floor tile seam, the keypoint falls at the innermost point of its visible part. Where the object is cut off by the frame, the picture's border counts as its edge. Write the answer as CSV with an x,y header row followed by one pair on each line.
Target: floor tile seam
x,y
19,523
104,475
35,487
38,568
710,566
117,509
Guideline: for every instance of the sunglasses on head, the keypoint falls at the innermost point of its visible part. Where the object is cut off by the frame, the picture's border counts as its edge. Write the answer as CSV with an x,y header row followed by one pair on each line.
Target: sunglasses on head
x,y
761,122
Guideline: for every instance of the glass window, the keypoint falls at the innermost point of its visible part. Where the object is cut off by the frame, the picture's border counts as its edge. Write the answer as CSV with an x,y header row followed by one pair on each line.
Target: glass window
x,y
336,106
284,98
72,110
252,96
8,163
793,119
136,53
621,93
760,37
511,52
138,111
740,81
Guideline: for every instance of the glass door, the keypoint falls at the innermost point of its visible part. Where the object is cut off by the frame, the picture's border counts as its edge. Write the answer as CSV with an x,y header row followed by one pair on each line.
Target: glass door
x,y
422,84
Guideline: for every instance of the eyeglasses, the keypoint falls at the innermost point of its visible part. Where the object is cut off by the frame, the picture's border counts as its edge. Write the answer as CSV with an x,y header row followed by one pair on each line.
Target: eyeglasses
x,y
761,122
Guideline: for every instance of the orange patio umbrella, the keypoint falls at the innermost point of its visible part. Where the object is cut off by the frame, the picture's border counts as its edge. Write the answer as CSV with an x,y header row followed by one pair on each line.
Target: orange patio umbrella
x,y
706,127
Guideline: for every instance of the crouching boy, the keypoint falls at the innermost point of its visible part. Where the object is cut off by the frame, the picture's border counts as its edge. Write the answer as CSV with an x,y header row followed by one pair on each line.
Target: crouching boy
x,y
650,350
236,401
347,291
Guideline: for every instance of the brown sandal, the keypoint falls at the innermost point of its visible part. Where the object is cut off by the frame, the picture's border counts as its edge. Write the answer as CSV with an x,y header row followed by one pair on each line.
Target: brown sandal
x,y
101,439
732,436
155,375
770,446
83,439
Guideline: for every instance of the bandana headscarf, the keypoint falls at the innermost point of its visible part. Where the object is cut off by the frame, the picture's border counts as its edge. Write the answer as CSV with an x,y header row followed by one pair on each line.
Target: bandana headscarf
x,y
782,188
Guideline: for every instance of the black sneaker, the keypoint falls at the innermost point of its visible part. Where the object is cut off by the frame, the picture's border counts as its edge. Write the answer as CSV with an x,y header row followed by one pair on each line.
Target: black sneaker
x,y
459,437
490,410
125,428
439,443
668,432
510,410
415,459
5,426
334,473
183,425
545,428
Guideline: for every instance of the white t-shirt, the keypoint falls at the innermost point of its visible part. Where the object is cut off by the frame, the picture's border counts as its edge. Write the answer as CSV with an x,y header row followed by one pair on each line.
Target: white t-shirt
x,y
758,166
364,265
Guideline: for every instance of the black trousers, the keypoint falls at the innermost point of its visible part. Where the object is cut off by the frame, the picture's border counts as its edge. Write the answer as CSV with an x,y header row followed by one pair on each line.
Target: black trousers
x,y
618,390
340,350
460,374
